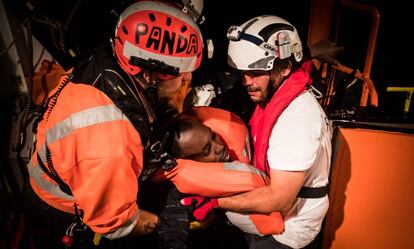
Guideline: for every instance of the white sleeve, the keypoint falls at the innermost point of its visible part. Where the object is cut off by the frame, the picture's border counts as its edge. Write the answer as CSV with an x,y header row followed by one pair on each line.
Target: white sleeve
x,y
294,141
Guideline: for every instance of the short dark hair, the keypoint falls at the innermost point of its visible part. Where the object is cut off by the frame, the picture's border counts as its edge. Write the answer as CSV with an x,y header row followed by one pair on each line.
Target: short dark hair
x,y
173,132
280,65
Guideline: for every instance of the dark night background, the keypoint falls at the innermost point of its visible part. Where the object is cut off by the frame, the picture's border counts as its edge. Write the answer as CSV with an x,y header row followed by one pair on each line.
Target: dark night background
x,y
94,22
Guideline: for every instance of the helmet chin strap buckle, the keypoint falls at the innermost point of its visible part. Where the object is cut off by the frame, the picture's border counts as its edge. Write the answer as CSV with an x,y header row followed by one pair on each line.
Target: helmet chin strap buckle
x,y
234,33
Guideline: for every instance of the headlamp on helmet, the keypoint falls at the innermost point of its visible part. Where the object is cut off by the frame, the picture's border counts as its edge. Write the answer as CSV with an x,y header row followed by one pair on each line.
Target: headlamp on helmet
x,y
234,33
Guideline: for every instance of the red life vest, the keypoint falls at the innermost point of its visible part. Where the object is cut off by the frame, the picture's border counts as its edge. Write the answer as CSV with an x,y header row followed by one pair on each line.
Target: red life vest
x,y
224,179
228,126
217,179
265,117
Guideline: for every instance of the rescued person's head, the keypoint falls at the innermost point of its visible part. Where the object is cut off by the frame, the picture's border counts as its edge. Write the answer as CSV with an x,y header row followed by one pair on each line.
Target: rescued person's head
x,y
191,139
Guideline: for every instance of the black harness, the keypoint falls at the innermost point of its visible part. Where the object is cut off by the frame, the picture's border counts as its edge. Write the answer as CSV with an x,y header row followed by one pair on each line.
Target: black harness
x,y
102,71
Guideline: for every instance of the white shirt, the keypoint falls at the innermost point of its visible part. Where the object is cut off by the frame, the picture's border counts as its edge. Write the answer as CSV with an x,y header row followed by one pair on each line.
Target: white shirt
x,y
301,140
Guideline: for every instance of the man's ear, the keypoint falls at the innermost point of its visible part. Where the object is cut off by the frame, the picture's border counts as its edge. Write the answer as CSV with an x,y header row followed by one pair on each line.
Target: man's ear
x,y
187,76
178,98
285,72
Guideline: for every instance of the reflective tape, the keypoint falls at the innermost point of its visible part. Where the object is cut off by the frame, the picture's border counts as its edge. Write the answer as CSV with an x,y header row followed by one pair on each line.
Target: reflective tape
x,y
125,229
88,117
236,165
36,173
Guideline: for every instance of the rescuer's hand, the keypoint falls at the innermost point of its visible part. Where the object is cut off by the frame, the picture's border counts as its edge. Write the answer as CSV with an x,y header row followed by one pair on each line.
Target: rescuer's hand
x,y
201,205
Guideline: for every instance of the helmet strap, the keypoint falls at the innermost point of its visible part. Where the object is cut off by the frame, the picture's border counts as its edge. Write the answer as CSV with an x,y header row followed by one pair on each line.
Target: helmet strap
x,y
141,83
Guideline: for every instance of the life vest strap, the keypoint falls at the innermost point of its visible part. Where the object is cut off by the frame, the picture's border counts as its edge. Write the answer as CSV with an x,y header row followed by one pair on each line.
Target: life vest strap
x,y
313,193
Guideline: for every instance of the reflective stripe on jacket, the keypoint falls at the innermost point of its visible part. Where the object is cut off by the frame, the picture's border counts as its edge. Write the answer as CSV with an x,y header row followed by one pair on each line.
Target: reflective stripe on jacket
x,y
97,152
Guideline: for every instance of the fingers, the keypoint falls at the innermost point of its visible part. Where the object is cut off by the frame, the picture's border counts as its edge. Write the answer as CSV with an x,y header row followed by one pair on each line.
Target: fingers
x,y
192,201
200,206
200,214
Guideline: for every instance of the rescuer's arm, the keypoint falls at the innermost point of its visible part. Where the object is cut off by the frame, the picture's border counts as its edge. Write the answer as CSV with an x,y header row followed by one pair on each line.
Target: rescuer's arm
x,y
278,196
105,180
146,224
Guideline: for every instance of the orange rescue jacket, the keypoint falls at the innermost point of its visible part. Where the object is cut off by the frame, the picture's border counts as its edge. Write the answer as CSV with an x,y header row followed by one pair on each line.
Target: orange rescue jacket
x,y
97,152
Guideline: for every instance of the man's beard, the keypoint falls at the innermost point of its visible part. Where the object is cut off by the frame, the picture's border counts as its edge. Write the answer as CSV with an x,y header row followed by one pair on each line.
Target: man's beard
x,y
164,111
271,89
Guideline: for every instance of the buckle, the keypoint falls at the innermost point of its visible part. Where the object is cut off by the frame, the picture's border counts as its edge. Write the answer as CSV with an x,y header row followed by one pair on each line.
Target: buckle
x,y
234,32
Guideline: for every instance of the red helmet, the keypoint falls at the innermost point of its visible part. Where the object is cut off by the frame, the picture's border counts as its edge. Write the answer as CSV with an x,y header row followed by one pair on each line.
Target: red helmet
x,y
157,37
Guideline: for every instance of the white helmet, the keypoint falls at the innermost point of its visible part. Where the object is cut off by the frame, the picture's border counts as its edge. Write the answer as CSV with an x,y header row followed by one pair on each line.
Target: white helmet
x,y
258,42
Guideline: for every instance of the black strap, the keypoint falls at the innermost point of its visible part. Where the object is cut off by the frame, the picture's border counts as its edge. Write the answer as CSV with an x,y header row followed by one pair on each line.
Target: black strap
x,y
313,193
102,71
62,185
49,169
